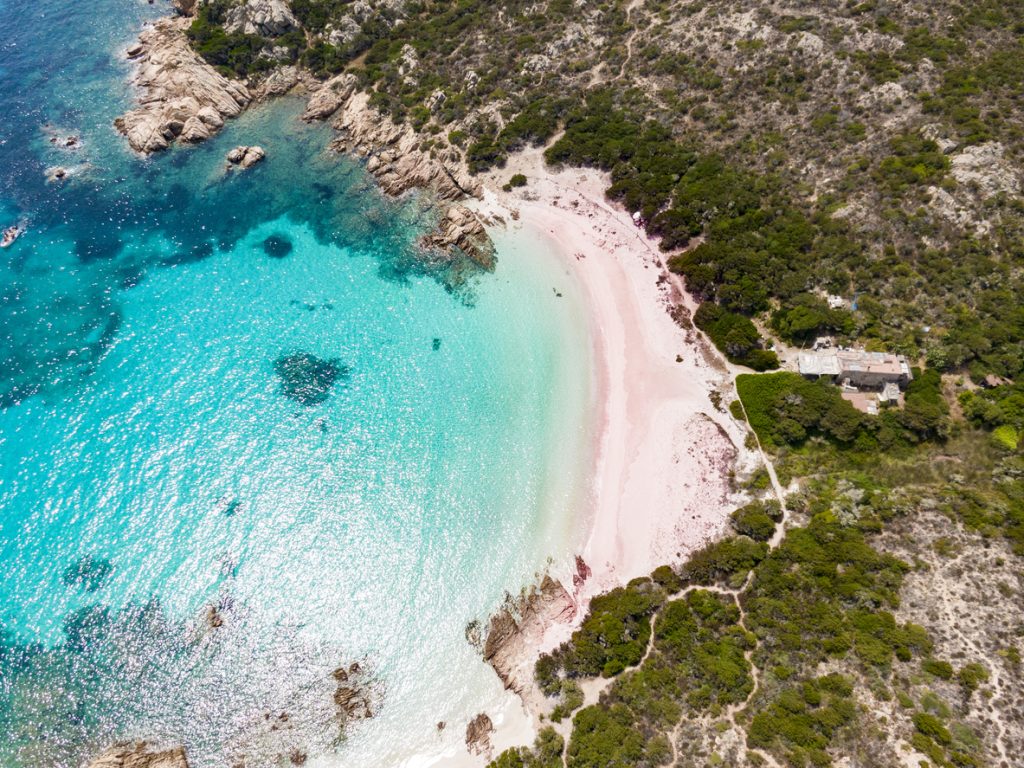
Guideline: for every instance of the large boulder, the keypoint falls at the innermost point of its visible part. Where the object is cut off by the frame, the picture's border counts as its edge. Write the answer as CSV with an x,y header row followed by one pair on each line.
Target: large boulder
x,y
270,18
185,7
246,157
330,97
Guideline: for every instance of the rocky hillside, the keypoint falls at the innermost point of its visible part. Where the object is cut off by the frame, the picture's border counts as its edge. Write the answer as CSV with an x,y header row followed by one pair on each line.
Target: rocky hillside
x,y
878,142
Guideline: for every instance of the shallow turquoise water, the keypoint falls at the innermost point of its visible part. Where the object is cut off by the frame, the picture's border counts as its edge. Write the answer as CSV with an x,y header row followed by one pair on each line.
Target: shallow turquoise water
x,y
152,466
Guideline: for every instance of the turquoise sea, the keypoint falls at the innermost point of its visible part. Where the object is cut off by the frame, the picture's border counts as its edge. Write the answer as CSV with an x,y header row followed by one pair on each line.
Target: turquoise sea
x,y
246,392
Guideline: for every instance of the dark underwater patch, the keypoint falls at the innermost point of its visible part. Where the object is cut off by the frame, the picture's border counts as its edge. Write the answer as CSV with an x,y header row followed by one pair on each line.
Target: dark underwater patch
x,y
437,344
132,276
308,379
322,191
86,626
92,249
277,246
191,255
88,573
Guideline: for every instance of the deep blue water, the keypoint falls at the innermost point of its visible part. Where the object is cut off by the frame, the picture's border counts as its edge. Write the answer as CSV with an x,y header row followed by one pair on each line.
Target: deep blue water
x,y
247,391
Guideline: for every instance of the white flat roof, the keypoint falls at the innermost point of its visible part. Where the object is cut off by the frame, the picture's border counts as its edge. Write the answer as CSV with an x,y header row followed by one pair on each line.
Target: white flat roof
x,y
818,363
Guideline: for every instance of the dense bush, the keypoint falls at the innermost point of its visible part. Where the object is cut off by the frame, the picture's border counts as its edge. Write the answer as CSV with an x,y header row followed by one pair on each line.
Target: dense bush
x,y
613,636
824,592
735,335
546,753
756,520
786,409
700,637
805,719
235,53
729,560
609,737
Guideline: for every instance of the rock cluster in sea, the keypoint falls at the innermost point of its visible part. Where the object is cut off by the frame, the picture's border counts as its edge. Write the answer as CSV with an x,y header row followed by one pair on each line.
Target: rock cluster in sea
x,y
246,157
183,97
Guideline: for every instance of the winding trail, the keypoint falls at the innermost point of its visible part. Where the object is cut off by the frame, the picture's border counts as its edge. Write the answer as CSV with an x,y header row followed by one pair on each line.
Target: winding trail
x,y
629,41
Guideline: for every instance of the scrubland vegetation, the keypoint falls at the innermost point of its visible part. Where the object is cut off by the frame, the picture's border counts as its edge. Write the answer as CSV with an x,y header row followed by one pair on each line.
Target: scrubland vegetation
x,y
782,152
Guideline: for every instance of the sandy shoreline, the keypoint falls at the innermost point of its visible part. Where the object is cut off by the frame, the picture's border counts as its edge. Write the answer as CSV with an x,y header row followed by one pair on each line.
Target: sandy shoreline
x,y
661,487
664,454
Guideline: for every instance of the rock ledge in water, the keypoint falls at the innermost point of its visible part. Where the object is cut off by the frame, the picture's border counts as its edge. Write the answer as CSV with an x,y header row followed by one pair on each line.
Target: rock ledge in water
x,y
139,755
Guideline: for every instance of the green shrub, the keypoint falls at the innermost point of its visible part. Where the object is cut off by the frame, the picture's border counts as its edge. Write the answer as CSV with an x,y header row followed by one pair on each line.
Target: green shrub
x,y
972,675
932,727
735,335
805,719
726,560
613,636
546,753
940,669
754,521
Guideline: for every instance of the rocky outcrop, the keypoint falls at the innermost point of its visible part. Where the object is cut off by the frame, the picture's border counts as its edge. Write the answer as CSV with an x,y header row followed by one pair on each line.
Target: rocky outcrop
x,y
183,98
352,696
986,168
330,97
478,735
394,156
516,630
277,83
246,157
185,7
461,228
269,18
140,755
393,151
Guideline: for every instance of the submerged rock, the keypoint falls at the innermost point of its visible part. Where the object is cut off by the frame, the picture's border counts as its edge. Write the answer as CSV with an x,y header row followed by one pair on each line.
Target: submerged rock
x,y
88,573
353,694
277,246
140,755
308,379
56,173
